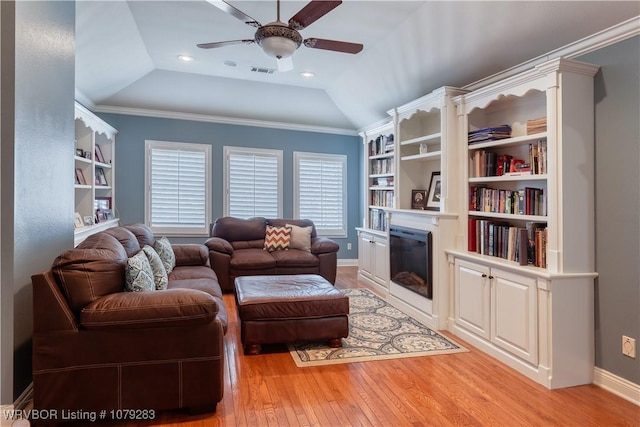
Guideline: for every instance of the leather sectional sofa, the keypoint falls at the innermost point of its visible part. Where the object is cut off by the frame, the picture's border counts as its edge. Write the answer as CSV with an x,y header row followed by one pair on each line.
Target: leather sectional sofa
x,y
97,347
236,248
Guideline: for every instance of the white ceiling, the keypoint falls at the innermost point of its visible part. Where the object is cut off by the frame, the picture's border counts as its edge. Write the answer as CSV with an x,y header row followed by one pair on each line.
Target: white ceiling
x,y
127,54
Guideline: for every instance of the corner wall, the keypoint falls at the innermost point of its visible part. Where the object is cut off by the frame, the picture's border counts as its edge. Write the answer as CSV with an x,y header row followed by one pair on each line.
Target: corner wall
x,y
38,43
617,169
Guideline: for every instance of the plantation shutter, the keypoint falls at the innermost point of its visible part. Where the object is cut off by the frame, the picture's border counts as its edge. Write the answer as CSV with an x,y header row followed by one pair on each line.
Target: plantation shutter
x,y
321,183
178,198
253,183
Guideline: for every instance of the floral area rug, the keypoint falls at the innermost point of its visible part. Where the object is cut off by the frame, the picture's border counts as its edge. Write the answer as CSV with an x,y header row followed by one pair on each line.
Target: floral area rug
x,y
377,331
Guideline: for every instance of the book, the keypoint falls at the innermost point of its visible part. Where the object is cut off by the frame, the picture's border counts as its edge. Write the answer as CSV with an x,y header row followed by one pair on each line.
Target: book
x,y
471,240
489,134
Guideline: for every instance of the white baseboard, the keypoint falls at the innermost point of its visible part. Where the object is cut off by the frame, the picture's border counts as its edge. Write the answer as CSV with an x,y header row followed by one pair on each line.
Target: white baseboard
x,y
347,263
617,385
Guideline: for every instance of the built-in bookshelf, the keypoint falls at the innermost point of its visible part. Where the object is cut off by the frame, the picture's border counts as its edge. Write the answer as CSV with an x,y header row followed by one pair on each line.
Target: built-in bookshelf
x,y
94,159
380,168
523,270
426,130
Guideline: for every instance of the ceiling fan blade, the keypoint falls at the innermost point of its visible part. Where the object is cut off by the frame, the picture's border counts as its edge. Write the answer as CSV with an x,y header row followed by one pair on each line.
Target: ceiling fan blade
x,y
221,44
313,11
334,45
236,13
285,64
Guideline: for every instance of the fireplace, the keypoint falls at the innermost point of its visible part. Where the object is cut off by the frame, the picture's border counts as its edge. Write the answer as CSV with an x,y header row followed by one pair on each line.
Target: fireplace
x,y
410,263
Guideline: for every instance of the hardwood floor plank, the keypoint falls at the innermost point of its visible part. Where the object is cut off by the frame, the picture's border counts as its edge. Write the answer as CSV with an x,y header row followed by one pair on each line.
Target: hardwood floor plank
x,y
471,389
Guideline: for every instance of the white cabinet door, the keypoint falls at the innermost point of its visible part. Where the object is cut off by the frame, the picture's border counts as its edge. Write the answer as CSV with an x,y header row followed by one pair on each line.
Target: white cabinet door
x,y
514,314
380,261
365,254
472,297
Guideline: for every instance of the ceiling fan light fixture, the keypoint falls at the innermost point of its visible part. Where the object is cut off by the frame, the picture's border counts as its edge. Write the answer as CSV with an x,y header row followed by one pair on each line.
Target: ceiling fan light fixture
x,y
278,40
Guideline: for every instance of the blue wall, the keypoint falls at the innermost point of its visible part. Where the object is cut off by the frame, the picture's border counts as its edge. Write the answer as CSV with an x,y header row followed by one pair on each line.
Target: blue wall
x,y
129,163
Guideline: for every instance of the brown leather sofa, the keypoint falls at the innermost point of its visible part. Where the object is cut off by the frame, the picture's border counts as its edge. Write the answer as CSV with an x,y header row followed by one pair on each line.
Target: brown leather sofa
x,y
97,347
236,248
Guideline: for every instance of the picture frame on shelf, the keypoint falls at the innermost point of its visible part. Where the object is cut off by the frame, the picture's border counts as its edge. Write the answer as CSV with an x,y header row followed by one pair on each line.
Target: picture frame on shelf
x,y
102,203
77,221
80,180
419,199
79,152
88,220
101,178
435,188
99,156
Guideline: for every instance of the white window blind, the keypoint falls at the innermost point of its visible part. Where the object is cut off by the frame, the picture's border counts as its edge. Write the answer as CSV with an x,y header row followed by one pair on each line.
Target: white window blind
x,y
321,191
178,183
253,182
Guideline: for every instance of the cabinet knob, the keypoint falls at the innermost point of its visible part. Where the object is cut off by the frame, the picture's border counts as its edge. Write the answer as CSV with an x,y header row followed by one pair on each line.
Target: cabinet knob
x,y
491,277
484,275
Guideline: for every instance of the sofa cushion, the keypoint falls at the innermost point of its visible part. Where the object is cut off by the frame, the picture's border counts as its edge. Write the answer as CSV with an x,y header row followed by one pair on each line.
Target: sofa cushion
x,y
295,258
277,238
165,251
237,229
300,237
252,259
142,233
159,272
127,239
86,274
168,308
138,274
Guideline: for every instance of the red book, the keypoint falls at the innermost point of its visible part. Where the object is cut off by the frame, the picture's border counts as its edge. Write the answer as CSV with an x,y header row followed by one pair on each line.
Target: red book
x,y
472,235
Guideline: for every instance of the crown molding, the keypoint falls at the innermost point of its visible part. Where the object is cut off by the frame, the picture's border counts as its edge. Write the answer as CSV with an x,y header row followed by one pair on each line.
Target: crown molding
x,y
612,35
84,100
218,119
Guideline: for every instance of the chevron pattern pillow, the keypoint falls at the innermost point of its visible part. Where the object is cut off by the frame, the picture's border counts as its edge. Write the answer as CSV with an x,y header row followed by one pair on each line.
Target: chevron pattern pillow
x,y
277,238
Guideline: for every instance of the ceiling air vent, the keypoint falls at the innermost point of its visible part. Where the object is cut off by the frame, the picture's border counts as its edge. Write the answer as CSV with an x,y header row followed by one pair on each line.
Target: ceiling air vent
x,y
263,70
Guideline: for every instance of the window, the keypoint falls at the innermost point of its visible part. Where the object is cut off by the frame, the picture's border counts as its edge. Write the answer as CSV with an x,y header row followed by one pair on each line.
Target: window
x,y
320,191
253,182
178,180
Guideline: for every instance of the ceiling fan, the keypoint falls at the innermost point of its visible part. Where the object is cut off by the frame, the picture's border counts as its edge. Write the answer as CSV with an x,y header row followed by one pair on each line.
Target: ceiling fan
x,y
281,40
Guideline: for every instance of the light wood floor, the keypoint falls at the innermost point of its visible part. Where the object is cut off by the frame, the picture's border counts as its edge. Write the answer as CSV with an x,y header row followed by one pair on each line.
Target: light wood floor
x,y
457,389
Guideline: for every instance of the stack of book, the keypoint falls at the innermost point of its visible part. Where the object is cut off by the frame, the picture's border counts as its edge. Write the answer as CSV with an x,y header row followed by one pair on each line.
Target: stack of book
x,y
536,125
527,201
538,157
525,245
490,134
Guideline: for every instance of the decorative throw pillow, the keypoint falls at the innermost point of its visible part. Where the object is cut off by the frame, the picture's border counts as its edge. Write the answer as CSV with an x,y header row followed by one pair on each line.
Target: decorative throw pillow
x,y
165,251
277,238
300,237
138,274
159,272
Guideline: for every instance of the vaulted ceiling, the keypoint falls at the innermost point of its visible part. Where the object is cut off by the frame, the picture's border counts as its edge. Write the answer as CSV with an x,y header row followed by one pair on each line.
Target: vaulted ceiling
x,y
127,54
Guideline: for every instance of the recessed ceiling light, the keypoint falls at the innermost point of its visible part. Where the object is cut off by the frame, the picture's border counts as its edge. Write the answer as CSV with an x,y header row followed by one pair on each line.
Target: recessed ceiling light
x,y
307,74
230,63
185,58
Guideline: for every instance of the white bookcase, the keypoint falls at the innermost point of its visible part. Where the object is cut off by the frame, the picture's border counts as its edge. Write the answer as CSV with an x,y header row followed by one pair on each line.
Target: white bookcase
x,y
380,175
536,317
426,129
94,174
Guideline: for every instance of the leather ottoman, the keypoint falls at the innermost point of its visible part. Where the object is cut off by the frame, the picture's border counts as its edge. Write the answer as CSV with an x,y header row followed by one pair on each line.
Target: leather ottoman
x,y
288,308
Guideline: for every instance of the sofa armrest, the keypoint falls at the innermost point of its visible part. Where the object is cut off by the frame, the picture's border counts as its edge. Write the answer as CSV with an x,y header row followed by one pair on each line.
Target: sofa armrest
x,y
219,244
191,254
322,245
153,309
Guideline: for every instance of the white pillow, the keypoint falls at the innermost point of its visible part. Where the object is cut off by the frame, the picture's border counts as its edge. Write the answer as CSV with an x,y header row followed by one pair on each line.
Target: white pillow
x,y
300,237
165,251
138,274
159,272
